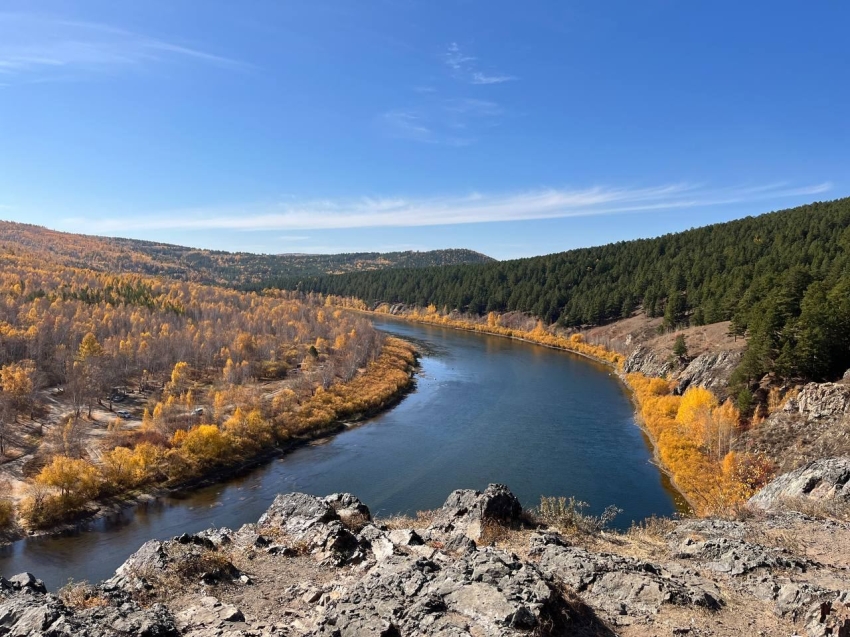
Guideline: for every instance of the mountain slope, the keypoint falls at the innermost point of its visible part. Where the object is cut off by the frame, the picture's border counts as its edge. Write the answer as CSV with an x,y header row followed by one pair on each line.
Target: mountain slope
x,y
783,278
209,266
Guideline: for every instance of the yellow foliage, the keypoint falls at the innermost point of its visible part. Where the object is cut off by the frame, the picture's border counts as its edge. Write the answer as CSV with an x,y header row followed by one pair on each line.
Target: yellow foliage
x,y
75,479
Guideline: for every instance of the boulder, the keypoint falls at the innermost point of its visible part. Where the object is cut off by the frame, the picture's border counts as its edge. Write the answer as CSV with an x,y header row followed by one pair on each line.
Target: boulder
x,y
824,481
466,512
315,525
27,582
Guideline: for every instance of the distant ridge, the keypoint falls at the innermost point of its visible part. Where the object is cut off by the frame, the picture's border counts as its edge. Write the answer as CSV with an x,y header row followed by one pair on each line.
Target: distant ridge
x,y
108,254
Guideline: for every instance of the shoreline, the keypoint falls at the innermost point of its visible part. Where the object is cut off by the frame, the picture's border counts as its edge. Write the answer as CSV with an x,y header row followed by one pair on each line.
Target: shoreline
x,y
116,503
656,459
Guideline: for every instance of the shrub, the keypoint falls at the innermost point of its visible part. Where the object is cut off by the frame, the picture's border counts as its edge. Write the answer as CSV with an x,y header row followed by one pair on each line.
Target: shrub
x,y
81,596
568,515
7,514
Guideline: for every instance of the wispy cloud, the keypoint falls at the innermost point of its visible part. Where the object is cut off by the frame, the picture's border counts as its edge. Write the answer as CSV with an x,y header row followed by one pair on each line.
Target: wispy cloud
x,y
465,67
451,122
480,78
39,48
408,125
473,208
457,60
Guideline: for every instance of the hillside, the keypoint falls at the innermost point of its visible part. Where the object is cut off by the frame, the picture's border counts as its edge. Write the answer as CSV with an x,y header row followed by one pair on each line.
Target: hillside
x,y
782,278
114,382
117,255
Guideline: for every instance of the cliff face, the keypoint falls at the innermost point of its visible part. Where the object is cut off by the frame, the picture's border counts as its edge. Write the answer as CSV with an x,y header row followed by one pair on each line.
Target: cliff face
x,y
814,425
480,565
710,369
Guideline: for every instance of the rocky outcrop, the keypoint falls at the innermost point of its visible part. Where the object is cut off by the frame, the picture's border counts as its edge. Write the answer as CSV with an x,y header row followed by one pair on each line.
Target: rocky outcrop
x,y
479,566
466,513
710,370
825,481
644,361
623,586
821,401
27,610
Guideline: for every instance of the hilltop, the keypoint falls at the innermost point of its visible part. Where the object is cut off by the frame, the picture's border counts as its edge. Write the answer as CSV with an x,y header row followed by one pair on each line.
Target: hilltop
x,y
132,256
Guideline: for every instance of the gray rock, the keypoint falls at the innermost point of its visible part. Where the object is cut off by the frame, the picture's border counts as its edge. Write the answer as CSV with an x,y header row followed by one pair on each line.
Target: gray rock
x,y
296,514
710,370
644,361
488,592
27,582
346,505
30,613
830,618
822,480
314,523
821,400
737,557
626,586
466,512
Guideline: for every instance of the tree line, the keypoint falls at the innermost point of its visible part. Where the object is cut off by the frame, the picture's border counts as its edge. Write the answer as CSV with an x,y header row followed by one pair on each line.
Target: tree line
x,y
782,278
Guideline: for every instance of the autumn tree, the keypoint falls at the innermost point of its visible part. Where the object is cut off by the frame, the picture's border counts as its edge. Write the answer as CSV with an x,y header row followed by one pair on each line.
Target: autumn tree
x,y
90,368
18,383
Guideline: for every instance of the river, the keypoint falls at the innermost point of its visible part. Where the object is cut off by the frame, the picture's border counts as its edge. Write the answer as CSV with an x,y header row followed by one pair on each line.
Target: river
x,y
485,409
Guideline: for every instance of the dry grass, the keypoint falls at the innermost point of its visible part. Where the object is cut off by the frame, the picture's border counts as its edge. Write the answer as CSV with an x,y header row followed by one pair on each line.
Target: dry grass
x,y
354,522
422,520
81,595
208,563
819,509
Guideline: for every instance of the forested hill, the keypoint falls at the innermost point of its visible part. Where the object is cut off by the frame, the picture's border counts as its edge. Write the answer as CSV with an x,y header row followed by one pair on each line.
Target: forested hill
x,y
115,255
783,278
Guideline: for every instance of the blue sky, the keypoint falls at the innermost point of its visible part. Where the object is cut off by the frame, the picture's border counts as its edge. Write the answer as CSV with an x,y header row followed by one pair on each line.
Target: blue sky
x,y
510,128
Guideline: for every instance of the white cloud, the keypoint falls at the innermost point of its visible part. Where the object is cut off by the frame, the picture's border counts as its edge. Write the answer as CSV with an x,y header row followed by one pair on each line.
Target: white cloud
x,y
480,78
39,48
474,208
465,67
456,60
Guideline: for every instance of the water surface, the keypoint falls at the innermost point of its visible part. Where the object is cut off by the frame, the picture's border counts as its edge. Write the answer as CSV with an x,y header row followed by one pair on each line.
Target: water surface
x,y
485,409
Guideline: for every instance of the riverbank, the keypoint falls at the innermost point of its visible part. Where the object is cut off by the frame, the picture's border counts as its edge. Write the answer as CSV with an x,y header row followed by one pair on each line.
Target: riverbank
x,y
233,450
711,478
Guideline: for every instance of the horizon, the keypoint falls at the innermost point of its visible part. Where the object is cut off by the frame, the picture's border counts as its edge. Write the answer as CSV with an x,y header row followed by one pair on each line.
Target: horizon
x,y
437,249
328,129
